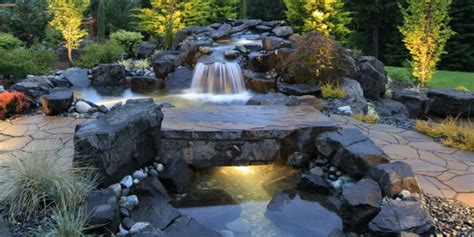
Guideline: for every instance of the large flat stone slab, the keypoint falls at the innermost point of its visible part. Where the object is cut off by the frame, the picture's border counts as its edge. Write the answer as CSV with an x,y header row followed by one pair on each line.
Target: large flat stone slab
x,y
238,135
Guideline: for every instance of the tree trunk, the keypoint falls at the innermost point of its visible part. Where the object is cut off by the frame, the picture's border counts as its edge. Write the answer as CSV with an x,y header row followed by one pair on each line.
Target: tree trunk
x,y
375,33
69,53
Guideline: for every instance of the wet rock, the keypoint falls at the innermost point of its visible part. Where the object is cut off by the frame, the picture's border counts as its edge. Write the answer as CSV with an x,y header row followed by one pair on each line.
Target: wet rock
x,y
165,62
361,203
150,187
127,181
257,82
417,102
177,176
313,183
240,225
33,87
261,62
401,216
449,102
102,211
192,49
391,108
185,226
209,197
144,83
272,43
298,89
141,227
282,57
329,143
283,31
156,211
263,28
372,76
59,100
231,54
134,129
181,79
78,77
273,99
109,75
128,223
59,81
221,32
139,174
394,177
82,107
298,160
146,50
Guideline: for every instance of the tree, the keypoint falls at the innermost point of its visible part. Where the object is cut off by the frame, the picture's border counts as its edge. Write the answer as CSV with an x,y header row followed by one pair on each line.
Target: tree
x,y
224,9
101,20
266,10
67,18
243,9
296,13
163,19
197,12
425,33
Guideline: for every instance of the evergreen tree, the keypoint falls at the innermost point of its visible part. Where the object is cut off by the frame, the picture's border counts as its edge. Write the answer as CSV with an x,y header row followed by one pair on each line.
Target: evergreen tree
x,y
243,9
267,10
197,12
296,13
67,18
327,17
224,10
101,20
425,33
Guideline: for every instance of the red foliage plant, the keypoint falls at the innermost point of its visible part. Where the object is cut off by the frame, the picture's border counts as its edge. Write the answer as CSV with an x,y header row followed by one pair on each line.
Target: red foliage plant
x,y
12,103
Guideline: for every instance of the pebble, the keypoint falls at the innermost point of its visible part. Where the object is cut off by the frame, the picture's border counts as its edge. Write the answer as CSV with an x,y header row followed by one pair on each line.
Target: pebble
x,y
128,223
82,107
160,167
127,181
129,202
125,192
317,171
117,189
153,172
139,174
124,212
136,181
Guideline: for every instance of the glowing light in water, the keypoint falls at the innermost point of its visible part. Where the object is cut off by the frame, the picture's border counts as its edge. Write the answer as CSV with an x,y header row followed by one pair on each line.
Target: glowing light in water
x,y
243,169
218,78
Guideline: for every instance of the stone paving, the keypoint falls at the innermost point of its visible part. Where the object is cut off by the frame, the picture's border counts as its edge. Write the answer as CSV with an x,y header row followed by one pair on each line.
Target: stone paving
x,y
440,170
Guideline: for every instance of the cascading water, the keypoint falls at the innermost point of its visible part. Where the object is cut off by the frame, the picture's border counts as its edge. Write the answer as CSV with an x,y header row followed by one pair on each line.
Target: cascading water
x,y
218,78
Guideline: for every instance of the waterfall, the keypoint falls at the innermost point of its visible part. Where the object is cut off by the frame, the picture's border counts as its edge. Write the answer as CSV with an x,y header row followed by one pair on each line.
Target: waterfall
x,y
218,78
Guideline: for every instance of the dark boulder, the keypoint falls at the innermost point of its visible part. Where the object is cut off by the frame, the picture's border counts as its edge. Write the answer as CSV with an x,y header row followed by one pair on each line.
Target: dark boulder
x,y
449,102
150,187
59,81
298,89
391,108
166,61
59,100
283,31
401,216
261,62
361,203
177,176
329,143
146,50
313,183
394,177
272,43
258,82
355,96
417,102
182,34
283,57
109,75
244,24
185,226
33,87
372,76
263,28
223,31
157,211
192,48
205,198
122,141
179,80
273,99
102,211
77,77
144,83
298,160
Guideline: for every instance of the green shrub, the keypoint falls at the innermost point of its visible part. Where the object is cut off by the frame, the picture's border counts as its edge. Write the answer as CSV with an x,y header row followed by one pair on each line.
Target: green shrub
x,y
95,54
9,42
127,39
400,74
52,38
34,184
319,59
22,62
68,222
329,90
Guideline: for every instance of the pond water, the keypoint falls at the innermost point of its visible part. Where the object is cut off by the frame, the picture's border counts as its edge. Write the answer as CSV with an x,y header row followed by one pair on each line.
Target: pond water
x,y
234,199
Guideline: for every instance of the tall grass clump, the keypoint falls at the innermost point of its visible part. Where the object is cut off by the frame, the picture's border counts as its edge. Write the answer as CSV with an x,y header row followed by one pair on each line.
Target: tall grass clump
x,y
67,222
35,184
329,90
450,132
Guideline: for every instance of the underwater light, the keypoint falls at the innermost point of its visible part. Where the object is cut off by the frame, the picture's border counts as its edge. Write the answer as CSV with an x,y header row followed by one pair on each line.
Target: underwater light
x,y
243,169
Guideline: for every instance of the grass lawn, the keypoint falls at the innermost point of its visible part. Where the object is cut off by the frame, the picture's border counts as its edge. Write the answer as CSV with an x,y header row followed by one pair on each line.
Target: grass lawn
x,y
441,79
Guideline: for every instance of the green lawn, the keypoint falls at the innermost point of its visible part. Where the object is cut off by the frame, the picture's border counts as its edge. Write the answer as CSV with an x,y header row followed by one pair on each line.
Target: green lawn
x,y
441,79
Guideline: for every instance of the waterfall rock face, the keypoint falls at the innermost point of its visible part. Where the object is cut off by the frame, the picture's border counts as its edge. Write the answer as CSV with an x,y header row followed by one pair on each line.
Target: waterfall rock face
x,y
218,78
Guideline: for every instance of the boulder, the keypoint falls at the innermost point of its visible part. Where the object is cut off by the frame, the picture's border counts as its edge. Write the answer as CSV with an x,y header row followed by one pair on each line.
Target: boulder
x,y
144,83
272,43
261,62
449,102
78,77
122,141
355,96
244,24
361,203
313,183
185,226
258,82
166,61
329,143
182,34
283,57
192,49
402,216
231,54
372,76
145,50
82,107
417,102
263,28
179,80
283,31
273,99
298,160
59,100
221,32
59,81
33,87
150,187
298,89
391,108
394,177
109,75
102,211
156,211
177,176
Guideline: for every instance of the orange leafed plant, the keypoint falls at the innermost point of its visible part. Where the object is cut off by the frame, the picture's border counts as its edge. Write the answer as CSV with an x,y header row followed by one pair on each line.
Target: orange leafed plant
x,y
12,103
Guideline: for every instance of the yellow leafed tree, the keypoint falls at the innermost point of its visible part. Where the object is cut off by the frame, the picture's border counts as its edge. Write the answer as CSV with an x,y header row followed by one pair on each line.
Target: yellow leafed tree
x,y
67,18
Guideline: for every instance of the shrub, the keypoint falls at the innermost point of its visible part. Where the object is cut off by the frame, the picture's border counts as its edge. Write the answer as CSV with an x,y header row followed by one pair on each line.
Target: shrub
x,y
142,64
9,42
12,103
369,118
68,222
128,63
53,37
400,74
127,39
449,131
95,54
34,184
22,62
329,90
319,59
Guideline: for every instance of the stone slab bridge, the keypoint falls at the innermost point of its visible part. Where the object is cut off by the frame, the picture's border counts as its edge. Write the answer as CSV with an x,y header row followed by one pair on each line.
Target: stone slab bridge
x,y
260,134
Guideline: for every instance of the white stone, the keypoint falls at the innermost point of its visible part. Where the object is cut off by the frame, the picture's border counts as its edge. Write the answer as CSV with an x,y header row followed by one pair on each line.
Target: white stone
x,y
337,185
2,89
139,227
127,181
82,107
240,225
136,181
117,189
139,174
160,167
404,194
129,202
122,231
317,171
345,109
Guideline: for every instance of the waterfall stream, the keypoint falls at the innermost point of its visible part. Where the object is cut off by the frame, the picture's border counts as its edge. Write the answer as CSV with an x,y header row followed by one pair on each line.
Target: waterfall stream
x,y
218,78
